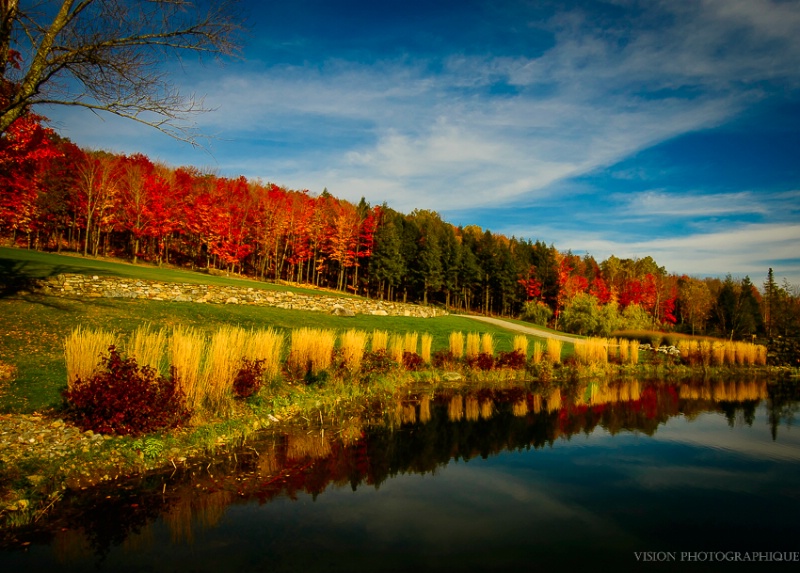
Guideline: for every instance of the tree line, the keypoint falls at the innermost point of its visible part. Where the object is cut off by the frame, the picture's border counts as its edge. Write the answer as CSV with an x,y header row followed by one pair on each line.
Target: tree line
x,y
56,196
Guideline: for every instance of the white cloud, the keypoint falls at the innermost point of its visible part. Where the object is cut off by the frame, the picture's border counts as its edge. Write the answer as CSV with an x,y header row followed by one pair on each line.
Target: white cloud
x,y
660,204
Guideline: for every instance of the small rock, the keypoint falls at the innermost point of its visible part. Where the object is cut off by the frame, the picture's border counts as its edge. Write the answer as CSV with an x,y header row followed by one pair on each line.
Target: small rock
x,y
451,377
339,310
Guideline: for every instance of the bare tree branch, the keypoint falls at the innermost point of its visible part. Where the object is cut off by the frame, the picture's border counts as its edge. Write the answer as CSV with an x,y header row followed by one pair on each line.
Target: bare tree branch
x,y
108,55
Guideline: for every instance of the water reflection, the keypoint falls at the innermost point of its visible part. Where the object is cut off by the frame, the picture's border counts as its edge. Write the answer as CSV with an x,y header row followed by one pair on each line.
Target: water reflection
x,y
427,433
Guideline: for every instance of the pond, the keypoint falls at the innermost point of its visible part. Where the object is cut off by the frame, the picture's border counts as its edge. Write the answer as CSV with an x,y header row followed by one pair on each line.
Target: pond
x,y
629,476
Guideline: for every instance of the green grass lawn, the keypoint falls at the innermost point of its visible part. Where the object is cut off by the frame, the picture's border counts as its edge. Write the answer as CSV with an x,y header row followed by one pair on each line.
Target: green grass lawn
x,y
26,264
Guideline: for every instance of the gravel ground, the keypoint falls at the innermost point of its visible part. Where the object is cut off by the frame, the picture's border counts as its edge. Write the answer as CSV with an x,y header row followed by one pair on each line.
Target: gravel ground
x,y
58,449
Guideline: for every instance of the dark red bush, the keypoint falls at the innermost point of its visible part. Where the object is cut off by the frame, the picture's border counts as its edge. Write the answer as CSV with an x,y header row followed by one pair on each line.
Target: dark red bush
x,y
248,380
514,359
485,361
412,361
126,399
442,359
377,362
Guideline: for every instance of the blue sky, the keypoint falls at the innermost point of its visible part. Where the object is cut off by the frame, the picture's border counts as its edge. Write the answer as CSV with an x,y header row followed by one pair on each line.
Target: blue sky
x,y
663,128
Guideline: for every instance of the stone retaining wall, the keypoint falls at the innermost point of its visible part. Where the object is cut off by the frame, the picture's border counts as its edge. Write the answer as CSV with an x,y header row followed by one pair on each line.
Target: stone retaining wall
x,y
86,286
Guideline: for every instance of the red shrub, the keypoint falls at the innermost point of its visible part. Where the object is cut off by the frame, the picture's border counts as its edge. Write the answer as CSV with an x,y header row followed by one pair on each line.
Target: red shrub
x,y
514,359
248,380
126,399
412,361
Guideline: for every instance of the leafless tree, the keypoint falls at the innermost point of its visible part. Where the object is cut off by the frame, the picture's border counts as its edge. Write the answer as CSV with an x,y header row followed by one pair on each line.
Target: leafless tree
x,y
108,55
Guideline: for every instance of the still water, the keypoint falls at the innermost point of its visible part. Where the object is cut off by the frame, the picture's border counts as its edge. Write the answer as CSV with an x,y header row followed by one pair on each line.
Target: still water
x,y
604,477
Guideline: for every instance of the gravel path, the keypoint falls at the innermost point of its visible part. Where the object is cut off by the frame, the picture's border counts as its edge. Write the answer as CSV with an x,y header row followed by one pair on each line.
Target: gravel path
x,y
523,329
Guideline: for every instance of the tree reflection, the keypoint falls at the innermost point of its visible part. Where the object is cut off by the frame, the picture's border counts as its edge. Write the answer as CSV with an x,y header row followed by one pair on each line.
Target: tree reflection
x,y
424,433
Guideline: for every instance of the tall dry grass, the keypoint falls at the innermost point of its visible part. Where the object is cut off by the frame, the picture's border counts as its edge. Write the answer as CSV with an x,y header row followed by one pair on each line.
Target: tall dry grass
x,y
612,348
265,345
591,351
425,347
730,353
761,355
633,351
473,347
705,352
410,342
717,353
487,344
352,345
624,350
538,353
83,351
186,349
520,344
380,339
148,347
396,348
456,344
223,362
554,350
311,349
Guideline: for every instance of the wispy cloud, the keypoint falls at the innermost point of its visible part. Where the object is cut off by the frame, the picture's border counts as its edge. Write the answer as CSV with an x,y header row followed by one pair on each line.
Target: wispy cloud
x,y
656,204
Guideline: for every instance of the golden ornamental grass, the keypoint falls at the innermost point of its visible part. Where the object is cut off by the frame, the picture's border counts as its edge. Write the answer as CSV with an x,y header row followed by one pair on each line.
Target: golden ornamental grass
x,y
312,348
520,344
186,350
265,345
410,342
730,353
380,340
538,352
706,352
83,351
554,350
473,345
396,348
224,359
425,347
591,351
633,350
352,344
761,355
613,348
718,353
624,350
456,344
148,347
487,344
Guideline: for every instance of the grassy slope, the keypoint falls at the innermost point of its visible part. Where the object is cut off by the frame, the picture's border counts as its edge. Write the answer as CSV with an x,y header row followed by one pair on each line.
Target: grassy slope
x,y
21,263
33,327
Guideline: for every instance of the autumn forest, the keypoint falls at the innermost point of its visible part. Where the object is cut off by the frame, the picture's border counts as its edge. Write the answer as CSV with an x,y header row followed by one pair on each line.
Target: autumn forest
x,y
56,196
